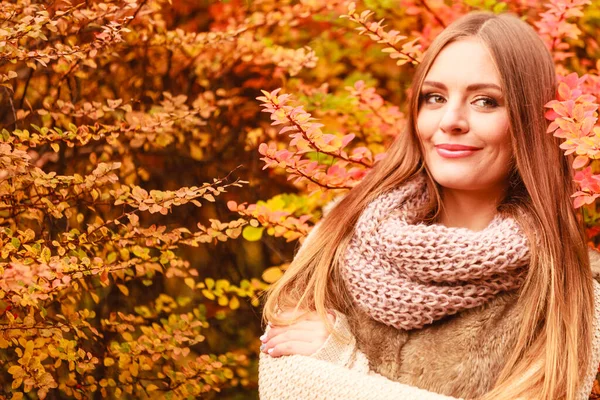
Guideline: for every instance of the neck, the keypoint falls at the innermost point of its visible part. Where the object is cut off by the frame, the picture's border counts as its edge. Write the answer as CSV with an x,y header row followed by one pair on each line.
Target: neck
x,y
473,210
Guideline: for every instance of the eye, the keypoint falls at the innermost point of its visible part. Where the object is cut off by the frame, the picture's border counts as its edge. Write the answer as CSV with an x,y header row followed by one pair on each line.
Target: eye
x,y
485,102
432,98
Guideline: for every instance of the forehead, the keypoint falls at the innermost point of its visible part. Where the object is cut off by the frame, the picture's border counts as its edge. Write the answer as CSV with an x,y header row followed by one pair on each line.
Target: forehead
x,y
464,62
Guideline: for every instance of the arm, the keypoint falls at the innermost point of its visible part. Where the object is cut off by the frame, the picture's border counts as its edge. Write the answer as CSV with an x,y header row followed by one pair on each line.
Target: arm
x,y
300,377
337,371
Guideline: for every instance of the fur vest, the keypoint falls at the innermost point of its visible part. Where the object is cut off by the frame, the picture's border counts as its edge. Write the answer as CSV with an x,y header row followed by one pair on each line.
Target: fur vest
x,y
459,356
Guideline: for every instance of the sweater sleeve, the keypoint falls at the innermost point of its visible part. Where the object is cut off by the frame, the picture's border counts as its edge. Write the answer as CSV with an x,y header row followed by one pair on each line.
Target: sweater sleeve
x,y
586,388
305,378
336,371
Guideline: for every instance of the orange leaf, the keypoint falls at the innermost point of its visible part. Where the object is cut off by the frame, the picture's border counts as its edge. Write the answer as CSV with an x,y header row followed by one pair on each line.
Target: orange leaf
x,y
580,162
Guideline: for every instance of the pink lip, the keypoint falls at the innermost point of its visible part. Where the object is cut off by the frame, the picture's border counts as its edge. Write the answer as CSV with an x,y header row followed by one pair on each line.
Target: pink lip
x,y
455,150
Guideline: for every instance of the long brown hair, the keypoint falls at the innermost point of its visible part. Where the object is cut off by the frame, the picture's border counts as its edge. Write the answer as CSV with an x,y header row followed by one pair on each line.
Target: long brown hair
x,y
553,349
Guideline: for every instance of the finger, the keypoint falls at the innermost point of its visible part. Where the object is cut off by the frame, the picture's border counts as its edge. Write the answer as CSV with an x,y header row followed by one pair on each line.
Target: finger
x,y
290,314
311,317
309,326
295,336
291,348
303,315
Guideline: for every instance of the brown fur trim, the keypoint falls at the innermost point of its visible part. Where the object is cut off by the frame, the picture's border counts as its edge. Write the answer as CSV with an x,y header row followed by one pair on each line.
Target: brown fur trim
x,y
460,356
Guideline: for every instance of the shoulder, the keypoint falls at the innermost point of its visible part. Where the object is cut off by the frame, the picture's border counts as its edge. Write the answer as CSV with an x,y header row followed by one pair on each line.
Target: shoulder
x,y
593,369
595,266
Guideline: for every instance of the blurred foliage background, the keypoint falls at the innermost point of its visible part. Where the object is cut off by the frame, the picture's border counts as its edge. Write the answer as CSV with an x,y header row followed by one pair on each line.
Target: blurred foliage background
x,y
138,224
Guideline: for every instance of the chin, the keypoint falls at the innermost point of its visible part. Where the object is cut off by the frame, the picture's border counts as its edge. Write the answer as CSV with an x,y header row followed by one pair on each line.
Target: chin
x,y
454,184
456,180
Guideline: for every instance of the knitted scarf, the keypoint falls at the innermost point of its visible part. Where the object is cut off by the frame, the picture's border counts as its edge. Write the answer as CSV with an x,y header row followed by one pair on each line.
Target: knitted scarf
x,y
407,274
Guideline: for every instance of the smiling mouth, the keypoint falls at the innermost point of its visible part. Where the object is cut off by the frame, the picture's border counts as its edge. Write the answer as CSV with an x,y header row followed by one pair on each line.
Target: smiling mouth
x,y
455,150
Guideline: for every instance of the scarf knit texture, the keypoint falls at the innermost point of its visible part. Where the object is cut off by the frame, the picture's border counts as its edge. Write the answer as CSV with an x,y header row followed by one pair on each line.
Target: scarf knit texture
x,y
407,274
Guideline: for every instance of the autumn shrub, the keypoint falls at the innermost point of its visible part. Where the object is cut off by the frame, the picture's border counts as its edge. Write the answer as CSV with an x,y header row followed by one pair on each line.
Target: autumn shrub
x,y
146,201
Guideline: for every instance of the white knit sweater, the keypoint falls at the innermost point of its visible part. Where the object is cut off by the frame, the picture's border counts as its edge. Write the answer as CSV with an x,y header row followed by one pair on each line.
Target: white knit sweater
x,y
339,371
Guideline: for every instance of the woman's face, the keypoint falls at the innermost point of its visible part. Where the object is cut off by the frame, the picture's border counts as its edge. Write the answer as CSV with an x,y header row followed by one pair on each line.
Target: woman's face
x,y
463,120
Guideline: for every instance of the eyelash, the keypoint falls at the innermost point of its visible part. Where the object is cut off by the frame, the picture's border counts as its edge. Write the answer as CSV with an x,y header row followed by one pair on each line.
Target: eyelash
x,y
493,103
427,96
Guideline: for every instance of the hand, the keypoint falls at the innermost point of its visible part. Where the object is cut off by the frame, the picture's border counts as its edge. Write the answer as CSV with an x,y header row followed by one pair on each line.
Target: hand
x,y
304,337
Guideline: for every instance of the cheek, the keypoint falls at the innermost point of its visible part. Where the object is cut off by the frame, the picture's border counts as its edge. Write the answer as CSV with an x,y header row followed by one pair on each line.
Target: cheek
x,y
500,159
425,126
501,137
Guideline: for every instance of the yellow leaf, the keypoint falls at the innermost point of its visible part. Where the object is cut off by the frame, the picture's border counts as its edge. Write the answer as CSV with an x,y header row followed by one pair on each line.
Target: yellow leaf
x,y
190,282
15,370
124,253
17,396
46,254
223,301
151,388
55,147
95,297
123,289
134,369
234,304
16,383
29,347
272,274
196,152
208,294
108,362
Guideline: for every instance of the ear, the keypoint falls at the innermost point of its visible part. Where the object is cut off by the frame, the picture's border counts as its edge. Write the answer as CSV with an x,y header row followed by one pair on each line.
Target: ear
x,y
595,263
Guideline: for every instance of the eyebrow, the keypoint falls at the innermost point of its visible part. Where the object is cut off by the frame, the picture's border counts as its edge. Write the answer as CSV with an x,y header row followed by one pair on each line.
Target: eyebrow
x,y
470,88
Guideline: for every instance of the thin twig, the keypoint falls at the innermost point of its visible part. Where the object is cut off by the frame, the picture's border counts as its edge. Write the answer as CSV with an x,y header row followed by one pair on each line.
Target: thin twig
x,y
430,11
31,71
12,106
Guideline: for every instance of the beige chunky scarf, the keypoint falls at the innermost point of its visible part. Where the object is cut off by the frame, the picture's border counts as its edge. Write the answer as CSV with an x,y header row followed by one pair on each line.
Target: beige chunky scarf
x,y
407,274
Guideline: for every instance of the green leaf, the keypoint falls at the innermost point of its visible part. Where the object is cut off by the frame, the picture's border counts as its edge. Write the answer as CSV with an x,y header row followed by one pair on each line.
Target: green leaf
x,y
252,234
112,256
500,7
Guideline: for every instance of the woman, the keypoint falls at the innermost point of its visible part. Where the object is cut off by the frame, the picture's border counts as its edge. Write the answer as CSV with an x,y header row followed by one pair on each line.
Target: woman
x,y
461,268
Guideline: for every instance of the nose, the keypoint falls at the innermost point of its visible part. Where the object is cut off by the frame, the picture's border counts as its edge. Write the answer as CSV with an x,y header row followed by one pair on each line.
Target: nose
x,y
454,120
